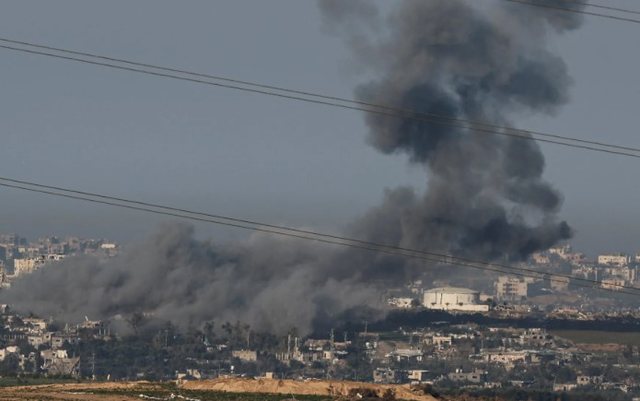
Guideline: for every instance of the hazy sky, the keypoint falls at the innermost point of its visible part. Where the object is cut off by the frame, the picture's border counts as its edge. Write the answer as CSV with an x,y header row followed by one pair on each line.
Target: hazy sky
x,y
252,156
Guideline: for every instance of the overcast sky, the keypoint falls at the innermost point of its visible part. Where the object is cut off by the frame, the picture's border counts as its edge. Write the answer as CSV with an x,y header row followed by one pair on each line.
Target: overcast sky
x,y
252,156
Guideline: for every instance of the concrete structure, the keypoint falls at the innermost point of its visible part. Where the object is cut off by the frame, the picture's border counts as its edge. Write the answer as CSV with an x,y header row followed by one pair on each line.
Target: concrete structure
x,y
245,355
511,288
406,355
625,273
560,250
505,357
418,375
386,376
442,340
614,259
401,302
615,284
536,336
26,266
453,298
560,387
584,380
540,259
29,265
477,376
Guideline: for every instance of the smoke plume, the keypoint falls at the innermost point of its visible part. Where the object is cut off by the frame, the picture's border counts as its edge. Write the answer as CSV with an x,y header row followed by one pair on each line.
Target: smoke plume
x,y
486,196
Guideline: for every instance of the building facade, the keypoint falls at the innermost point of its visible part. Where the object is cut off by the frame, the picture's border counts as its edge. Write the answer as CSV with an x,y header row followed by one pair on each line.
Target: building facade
x,y
453,298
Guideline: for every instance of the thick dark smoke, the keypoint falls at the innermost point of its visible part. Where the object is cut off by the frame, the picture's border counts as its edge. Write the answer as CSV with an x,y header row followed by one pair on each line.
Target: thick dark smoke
x,y
486,197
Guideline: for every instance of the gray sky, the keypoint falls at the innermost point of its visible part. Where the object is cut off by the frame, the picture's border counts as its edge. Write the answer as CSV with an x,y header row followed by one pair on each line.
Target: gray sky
x,y
259,157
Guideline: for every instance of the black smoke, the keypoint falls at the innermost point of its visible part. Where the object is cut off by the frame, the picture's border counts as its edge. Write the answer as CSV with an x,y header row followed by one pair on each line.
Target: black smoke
x,y
486,194
485,198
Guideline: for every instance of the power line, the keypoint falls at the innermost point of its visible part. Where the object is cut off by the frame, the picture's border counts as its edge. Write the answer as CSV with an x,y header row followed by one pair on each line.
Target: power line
x,y
304,234
601,6
274,94
315,98
318,95
571,10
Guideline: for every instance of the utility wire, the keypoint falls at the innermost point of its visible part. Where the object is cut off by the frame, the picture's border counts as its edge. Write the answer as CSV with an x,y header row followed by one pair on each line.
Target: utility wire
x,y
601,6
332,101
305,234
318,95
279,95
571,10
321,96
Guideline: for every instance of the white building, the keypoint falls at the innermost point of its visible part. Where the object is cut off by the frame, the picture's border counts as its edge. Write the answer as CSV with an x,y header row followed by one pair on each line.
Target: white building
x,y
615,259
26,266
400,302
441,340
453,298
406,355
418,375
29,265
560,250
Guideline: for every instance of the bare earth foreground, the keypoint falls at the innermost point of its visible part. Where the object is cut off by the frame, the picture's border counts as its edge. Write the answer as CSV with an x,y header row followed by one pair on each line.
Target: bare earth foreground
x,y
205,390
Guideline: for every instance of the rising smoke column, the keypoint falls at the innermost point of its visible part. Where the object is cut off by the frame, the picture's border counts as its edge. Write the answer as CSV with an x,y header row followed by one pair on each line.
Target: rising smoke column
x,y
486,197
485,194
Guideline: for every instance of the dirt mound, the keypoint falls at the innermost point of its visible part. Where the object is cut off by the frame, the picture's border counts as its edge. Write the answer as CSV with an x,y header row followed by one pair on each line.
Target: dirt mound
x,y
330,388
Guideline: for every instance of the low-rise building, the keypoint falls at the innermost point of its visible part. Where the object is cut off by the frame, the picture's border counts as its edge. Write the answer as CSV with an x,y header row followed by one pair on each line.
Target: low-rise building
x,y
245,355
476,377
585,380
453,299
563,387
402,302
386,376
614,259
511,288
406,355
418,375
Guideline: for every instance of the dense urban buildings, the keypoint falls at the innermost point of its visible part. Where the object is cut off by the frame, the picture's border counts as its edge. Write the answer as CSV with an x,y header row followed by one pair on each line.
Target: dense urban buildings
x,y
543,334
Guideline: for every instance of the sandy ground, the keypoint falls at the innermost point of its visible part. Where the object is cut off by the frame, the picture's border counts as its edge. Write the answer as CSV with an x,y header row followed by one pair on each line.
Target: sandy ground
x,y
89,391
287,387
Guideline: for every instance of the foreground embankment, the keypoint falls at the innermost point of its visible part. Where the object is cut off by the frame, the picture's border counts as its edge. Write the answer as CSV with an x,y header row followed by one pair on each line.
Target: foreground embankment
x,y
331,388
222,389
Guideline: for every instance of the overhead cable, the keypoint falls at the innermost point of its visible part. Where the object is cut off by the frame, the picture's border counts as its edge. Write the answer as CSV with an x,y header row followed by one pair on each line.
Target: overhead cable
x,y
573,10
316,98
246,224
